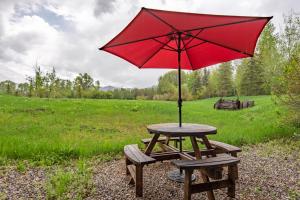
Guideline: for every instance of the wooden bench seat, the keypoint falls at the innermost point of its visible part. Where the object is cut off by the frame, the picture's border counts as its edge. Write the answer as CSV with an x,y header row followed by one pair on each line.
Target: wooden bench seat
x,y
223,148
146,141
136,156
209,163
135,160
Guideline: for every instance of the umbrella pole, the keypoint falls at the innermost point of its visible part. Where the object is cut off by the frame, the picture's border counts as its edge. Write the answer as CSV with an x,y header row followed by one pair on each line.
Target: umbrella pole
x,y
179,92
179,86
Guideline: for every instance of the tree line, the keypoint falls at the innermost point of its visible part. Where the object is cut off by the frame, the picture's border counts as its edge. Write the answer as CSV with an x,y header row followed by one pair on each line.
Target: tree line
x,y
274,69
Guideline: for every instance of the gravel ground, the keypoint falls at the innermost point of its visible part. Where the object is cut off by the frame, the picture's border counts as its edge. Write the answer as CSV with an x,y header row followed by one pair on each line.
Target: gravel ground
x,y
267,171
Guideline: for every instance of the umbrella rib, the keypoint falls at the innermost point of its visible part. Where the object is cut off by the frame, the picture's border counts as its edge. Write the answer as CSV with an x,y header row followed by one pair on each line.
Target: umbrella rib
x,y
188,57
219,25
160,19
133,41
193,46
154,53
191,39
224,46
171,48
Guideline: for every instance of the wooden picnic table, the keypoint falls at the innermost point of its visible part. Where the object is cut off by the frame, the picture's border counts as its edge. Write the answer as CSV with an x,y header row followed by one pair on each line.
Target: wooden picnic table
x,y
193,131
209,160
170,130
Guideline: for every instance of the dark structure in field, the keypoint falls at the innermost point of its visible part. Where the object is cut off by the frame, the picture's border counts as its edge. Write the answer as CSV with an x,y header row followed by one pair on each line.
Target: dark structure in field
x,y
232,104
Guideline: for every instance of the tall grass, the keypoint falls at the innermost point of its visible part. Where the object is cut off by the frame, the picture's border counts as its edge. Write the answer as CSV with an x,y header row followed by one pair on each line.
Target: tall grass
x,y
60,129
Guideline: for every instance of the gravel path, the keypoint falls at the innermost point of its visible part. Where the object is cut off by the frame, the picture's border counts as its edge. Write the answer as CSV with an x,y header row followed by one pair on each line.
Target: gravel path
x,y
267,171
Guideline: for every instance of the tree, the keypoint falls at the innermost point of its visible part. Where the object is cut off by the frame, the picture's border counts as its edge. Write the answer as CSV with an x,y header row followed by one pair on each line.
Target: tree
x,y
87,81
30,83
53,83
224,81
23,89
268,56
205,77
211,88
195,83
287,86
78,86
8,87
39,82
97,85
168,85
251,77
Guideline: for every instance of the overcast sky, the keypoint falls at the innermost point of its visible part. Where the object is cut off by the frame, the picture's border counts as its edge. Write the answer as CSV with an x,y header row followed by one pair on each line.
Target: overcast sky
x,y
66,34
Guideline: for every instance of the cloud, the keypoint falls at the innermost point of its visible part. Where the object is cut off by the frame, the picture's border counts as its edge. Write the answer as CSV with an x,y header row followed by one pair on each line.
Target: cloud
x,y
103,6
66,34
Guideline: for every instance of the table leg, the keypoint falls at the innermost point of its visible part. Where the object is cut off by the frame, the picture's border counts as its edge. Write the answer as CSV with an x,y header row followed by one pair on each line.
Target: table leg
x,y
195,147
152,144
167,140
207,144
205,178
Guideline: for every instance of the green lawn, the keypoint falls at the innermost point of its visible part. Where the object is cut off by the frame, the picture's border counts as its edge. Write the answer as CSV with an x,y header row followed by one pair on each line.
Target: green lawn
x,y
60,129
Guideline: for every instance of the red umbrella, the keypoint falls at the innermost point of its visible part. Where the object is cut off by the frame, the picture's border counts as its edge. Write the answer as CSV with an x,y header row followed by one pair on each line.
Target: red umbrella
x,y
177,40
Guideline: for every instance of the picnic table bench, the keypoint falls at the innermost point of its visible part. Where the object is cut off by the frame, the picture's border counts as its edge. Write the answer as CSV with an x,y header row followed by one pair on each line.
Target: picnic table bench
x,y
135,157
165,140
210,163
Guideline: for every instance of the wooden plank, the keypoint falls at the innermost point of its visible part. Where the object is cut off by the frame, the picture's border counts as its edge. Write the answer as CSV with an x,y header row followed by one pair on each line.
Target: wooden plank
x,y
135,155
205,178
207,163
207,144
134,150
186,156
129,154
187,184
210,193
165,156
227,148
162,146
152,144
213,161
167,140
187,129
169,148
127,162
232,178
202,187
160,139
204,153
195,147
131,170
139,181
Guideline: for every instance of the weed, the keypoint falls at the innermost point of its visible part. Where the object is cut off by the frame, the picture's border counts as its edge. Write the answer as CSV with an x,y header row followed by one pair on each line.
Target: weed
x,y
21,167
74,183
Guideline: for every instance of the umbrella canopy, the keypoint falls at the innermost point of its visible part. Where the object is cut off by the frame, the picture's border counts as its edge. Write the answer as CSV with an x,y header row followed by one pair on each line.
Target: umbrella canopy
x,y
151,39
177,40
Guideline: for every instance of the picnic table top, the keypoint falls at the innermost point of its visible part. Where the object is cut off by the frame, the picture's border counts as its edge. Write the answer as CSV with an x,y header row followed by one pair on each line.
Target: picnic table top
x,y
187,129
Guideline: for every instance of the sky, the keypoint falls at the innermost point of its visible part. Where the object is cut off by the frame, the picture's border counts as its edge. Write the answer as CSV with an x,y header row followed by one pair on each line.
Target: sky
x,y
66,34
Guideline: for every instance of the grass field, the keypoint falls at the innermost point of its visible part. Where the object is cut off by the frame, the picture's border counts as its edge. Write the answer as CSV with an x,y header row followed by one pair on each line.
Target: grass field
x,y
61,129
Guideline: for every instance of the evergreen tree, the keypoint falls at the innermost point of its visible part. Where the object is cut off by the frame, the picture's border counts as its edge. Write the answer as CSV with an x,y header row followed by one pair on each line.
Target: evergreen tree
x,y
211,89
268,55
195,83
252,77
239,76
205,77
224,81
38,82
